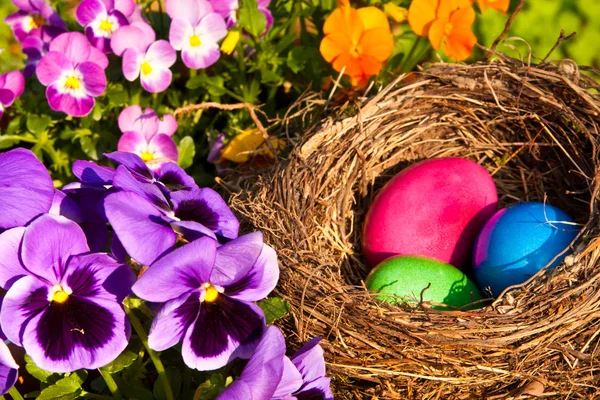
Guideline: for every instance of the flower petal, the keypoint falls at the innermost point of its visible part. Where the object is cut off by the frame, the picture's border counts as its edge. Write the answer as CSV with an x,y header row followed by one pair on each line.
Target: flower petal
x,y
140,226
183,270
26,298
207,207
158,81
421,15
260,280
132,142
168,125
377,43
23,199
74,45
212,340
67,103
133,163
291,380
310,360
65,206
333,45
172,321
52,66
373,17
8,369
89,10
132,64
126,7
15,82
11,269
161,55
235,259
94,79
48,242
133,119
437,31
78,334
202,56
211,28
163,147
130,37
174,178
180,32
126,181
188,10
98,57
89,172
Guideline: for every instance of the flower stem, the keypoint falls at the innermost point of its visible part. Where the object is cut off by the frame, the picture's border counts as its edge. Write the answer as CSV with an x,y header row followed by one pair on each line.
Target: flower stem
x,y
160,369
15,393
96,396
111,384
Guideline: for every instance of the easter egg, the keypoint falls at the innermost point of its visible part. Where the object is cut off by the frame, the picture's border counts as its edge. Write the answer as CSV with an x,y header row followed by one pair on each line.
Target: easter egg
x,y
518,241
403,278
434,208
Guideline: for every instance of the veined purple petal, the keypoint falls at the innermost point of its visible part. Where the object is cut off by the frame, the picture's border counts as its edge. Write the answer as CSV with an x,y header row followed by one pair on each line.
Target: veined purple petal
x,y
133,162
80,333
207,207
180,32
125,181
291,381
172,321
94,79
235,259
25,299
89,172
74,45
140,226
221,327
65,206
174,178
211,28
202,56
191,230
181,271
67,103
158,81
130,37
99,276
89,10
132,64
52,66
317,389
23,199
163,148
168,125
262,373
15,82
8,369
260,280
11,269
310,361
48,243
132,119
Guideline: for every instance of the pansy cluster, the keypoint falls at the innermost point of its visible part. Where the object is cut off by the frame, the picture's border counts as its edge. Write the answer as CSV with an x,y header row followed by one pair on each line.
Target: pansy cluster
x,y
71,258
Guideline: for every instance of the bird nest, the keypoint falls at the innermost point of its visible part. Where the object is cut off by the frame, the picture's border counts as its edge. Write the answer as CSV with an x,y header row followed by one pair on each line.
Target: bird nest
x,y
536,130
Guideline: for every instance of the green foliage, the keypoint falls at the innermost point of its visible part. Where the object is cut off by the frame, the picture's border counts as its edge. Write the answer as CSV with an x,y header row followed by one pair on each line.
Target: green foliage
x,y
274,308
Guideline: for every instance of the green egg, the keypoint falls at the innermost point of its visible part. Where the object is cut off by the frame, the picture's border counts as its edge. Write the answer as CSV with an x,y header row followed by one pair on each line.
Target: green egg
x,y
402,279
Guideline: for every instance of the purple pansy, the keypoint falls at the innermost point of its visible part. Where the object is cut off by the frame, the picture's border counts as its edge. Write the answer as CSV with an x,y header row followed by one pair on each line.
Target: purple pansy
x,y
26,188
34,48
263,372
208,293
229,8
12,85
304,375
144,57
102,18
147,136
35,18
195,30
73,71
9,369
63,303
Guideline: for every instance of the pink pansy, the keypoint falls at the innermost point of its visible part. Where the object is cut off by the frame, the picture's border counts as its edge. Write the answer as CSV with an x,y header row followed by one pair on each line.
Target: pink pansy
x,y
73,72
35,18
195,30
11,87
147,136
229,8
102,18
144,57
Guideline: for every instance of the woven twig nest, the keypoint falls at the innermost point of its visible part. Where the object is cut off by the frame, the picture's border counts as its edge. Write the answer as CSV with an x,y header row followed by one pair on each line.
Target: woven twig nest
x,y
536,130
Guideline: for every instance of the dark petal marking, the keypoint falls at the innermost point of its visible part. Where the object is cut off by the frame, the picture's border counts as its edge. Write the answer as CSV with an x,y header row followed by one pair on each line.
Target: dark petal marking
x,y
242,284
311,394
35,303
83,282
188,311
75,323
198,211
220,320
173,181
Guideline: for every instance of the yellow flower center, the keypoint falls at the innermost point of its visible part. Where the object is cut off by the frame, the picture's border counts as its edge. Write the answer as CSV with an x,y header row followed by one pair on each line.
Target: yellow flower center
x,y
147,156
60,296
106,26
448,28
195,41
211,294
146,68
72,83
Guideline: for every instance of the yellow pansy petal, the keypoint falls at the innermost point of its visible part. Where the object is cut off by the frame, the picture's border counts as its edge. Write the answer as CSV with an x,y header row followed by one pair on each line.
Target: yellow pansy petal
x,y
398,14
372,17
421,14
241,147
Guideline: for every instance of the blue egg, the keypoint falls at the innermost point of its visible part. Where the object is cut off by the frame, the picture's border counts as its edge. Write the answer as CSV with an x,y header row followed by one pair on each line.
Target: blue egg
x,y
518,241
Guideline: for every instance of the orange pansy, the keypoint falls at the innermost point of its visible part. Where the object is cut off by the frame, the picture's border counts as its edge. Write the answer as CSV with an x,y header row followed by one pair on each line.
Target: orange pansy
x,y
499,5
358,40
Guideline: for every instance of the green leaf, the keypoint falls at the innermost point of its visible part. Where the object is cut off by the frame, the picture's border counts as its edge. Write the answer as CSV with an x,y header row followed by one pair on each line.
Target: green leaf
x,y
133,391
174,376
124,360
38,373
117,96
274,308
214,84
187,151
250,18
88,145
68,388
38,124
210,389
13,126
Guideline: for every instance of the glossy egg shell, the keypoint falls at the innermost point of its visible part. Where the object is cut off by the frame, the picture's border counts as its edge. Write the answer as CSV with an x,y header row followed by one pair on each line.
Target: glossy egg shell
x,y
518,241
434,208
403,278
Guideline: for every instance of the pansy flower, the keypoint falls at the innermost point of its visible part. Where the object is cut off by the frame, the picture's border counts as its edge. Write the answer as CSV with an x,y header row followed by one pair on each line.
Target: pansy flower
x,y
498,5
208,293
73,72
63,303
144,57
260,377
12,85
26,188
102,18
229,9
9,369
34,48
195,30
304,375
447,23
357,41
147,136
35,18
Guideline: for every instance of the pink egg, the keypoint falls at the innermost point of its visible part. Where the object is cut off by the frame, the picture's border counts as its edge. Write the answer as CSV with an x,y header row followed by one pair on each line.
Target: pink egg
x,y
434,208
